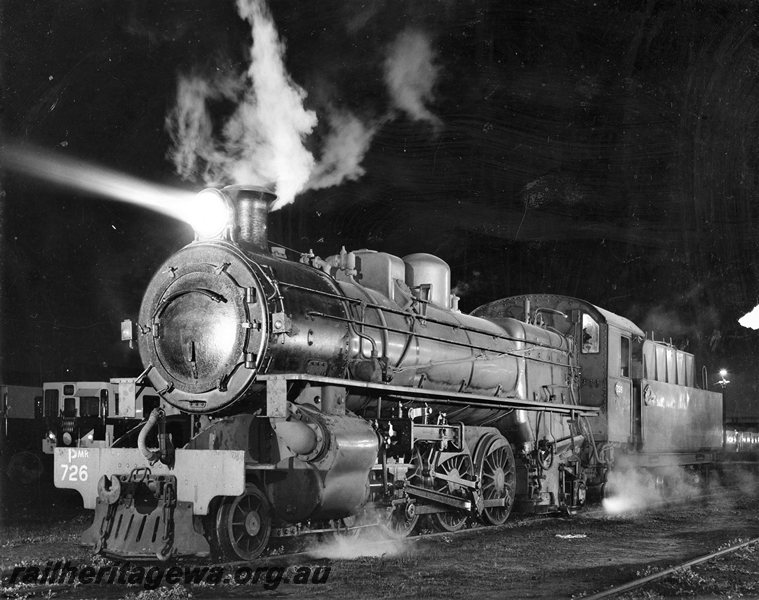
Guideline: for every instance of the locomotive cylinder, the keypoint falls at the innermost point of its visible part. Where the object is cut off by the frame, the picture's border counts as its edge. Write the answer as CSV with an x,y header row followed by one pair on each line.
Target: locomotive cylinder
x,y
331,481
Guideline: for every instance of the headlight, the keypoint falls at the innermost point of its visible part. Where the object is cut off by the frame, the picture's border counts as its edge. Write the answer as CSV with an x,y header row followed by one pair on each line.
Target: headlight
x,y
51,436
209,213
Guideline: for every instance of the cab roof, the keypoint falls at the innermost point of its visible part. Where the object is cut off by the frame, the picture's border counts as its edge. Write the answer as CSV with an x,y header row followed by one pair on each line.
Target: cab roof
x,y
561,303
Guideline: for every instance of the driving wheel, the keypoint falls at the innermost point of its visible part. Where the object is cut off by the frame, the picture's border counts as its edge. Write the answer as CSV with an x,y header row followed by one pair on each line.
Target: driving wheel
x,y
458,467
498,480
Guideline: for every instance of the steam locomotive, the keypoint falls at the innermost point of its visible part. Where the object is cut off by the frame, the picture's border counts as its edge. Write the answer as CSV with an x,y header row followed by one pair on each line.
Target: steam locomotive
x,y
329,391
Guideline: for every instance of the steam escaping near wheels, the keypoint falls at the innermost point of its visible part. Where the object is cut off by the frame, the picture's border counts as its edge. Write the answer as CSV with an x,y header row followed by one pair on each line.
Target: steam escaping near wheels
x,y
639,489
371,535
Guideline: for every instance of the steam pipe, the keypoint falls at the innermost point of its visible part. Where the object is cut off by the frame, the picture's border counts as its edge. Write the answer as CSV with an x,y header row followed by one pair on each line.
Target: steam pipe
x,y
298,436
152,455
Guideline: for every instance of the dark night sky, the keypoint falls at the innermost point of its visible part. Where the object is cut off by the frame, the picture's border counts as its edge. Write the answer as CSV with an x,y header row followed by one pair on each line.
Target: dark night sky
x,y
605,150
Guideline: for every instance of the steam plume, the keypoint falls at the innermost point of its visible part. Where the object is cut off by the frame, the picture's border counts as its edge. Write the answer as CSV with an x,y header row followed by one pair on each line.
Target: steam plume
x,y
410,75
262,142
191,128
269,127
344,149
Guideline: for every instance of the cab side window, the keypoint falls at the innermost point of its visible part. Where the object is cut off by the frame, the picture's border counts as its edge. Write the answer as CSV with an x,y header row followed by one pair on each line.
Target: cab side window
x,y
624,357
590,335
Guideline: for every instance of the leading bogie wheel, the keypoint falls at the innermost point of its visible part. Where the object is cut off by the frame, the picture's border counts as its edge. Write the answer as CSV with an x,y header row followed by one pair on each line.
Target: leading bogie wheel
x,y
402,520
243,525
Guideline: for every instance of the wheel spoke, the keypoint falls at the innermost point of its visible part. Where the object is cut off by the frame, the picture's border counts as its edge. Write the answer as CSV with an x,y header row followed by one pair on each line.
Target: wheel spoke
x,y
498,480
236,518
459,467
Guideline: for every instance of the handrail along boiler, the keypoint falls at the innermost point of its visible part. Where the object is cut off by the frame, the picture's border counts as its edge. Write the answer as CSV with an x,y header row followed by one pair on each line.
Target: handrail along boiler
x,y
331,390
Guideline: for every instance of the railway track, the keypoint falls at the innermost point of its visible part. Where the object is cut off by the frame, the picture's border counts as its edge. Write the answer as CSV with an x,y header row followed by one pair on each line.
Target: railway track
x,y
636,583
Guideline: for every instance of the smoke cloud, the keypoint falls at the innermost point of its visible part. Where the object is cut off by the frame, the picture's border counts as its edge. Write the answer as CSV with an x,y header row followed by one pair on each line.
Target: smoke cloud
x,y
263,140
410,75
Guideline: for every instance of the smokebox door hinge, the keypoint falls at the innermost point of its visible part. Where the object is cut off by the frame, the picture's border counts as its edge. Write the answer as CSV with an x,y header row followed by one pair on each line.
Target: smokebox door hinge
x,y
281,323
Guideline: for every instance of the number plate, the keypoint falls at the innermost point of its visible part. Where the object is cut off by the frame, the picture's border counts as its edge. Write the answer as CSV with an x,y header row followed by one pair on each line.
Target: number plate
x,y
201,474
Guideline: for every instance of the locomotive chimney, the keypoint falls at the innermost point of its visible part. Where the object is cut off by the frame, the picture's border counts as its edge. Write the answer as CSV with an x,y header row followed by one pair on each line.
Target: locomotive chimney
x,y
251,213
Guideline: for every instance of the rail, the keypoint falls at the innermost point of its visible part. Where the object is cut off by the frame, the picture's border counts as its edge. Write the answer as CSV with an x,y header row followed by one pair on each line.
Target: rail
x,y
636,583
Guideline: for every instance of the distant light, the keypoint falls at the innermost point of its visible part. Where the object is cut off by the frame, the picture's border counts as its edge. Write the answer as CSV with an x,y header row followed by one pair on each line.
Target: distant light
x,y
127,330
751,319
209,213
723,381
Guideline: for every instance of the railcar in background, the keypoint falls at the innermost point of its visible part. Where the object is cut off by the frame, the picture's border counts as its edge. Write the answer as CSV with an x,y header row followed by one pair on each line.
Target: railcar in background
x,y
742,442
21,426
96,414
21,412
